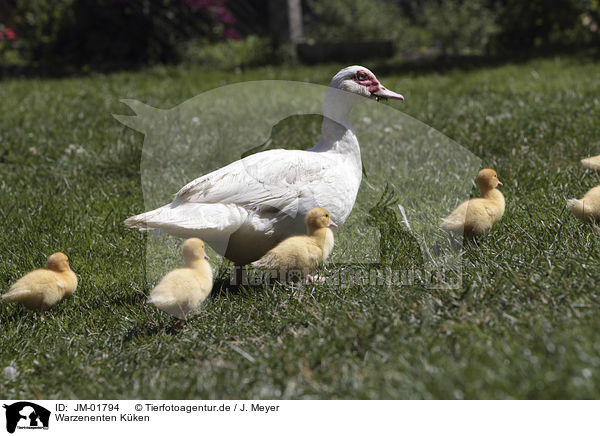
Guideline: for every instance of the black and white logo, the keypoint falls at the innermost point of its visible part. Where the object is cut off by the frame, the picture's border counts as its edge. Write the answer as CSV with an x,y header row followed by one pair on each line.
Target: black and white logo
x,y
26,415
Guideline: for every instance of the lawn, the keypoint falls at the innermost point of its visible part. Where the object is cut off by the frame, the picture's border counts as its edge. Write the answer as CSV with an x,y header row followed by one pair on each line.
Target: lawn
x,y
524,324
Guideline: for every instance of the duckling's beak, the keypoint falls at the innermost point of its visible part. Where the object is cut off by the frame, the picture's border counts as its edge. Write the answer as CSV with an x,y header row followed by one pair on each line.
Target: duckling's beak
x,y
206,257
332,224
499,183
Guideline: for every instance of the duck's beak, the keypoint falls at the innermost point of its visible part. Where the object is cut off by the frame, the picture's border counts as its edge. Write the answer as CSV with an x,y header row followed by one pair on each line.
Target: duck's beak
x,y
332,224
206,257
383,93
499,183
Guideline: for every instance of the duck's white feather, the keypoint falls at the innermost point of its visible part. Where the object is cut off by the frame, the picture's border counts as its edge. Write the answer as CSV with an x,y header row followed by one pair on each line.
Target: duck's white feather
x,y
245,208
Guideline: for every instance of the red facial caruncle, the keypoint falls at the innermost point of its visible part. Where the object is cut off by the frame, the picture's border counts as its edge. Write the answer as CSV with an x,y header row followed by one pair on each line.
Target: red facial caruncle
x,y
365,78
377,90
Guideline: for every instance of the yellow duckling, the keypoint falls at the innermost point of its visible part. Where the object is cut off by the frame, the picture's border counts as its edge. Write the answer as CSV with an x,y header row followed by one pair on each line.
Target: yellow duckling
x,y
43,288
588,208
184,289
477,216
593,163
302,253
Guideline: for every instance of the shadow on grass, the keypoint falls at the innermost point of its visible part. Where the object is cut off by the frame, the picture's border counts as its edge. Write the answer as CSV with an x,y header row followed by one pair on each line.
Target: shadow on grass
x,y
415,63
424,64
151,329
52,72
18,314
223,286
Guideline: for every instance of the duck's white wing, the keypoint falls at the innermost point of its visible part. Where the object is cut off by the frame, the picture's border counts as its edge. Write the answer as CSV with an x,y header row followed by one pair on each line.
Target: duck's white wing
x,y
271,180
252,189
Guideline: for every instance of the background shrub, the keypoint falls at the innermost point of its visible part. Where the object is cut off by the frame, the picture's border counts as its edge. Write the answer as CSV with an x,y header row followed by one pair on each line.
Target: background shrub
x,y
353,19
536,23
63,34
459,27
59,36
364,19
252,51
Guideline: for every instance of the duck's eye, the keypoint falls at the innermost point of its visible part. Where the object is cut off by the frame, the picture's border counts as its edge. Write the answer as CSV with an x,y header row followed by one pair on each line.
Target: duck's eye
x,y
361,76
326,216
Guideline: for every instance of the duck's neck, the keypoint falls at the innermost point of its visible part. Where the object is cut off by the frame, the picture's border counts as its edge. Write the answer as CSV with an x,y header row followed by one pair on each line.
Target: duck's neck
x,y
336,131
337,138
323,237
199,264
494,195
338,105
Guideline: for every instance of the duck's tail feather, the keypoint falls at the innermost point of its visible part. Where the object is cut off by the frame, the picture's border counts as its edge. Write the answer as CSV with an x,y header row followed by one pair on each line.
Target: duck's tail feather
x,y
592,163
161,300
267,262
578,208
16,294
453,223
207,221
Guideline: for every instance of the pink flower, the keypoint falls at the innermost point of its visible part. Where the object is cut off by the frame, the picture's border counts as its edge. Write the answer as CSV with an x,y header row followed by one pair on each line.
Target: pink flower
x,y
8,33
224,16
218,12
230,33
205,5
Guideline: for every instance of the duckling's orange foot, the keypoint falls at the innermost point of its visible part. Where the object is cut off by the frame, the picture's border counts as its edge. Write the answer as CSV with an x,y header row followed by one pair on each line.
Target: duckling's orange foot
x,y
43,309
316,278
474,240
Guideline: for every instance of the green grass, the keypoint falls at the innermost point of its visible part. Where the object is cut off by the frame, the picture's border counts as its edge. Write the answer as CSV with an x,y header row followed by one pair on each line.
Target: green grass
x,y
524,325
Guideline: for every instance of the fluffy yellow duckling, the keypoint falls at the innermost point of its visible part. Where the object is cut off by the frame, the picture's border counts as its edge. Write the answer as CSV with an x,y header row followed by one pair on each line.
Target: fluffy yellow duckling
x,y
593,163
43,288
477,216
588,208
302,253
184,289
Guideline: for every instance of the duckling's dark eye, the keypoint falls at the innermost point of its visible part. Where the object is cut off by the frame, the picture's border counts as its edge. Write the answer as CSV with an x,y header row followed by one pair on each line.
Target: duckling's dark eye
x,y
326,216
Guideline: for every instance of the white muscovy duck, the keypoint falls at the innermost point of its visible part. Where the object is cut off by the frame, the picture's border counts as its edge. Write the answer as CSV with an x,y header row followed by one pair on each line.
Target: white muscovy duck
x,y
247,207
